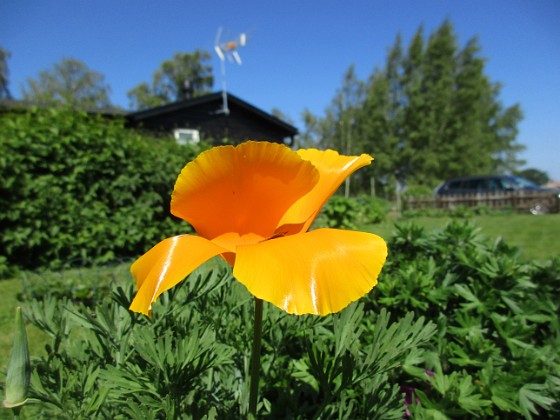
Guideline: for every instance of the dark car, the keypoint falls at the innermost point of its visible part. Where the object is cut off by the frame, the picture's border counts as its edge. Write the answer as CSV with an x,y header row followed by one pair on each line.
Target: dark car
x,y
496,184
486,184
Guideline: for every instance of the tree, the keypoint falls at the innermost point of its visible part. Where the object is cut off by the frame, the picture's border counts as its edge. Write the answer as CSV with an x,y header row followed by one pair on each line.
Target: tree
x,y
311,135
185,75
277,113
4,91
430,113
378,134
536,175
434,138
342,112
69,83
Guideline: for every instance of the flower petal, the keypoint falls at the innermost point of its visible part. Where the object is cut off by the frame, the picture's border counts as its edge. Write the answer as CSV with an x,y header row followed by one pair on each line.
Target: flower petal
x,y
166,264
319,272
333,169
244,189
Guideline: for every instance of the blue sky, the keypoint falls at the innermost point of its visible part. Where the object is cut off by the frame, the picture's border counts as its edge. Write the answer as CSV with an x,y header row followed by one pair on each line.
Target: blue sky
x,y
297,51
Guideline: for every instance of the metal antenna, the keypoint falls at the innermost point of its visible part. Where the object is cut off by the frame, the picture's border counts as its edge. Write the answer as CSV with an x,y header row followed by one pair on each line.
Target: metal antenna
x,y
228,50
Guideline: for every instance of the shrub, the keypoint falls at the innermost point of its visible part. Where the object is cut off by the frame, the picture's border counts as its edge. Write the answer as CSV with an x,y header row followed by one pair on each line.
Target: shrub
x,y
427,212
339,212
417,191
460,211
345,213
82,187
372,209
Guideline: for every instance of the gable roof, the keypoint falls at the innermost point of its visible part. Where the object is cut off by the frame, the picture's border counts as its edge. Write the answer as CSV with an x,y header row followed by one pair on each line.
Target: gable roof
x,y
206,113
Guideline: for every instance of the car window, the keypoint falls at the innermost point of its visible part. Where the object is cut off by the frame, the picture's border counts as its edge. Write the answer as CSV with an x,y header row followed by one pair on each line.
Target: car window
x,y
507,184
454,185
473,184
486,184
492,184
524,183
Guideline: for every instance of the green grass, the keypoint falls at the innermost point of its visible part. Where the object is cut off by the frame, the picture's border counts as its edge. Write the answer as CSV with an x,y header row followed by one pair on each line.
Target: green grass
x,y
537,237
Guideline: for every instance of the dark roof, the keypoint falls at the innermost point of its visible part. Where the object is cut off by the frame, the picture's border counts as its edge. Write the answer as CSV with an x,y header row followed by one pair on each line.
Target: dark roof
x,y
204,113
216,97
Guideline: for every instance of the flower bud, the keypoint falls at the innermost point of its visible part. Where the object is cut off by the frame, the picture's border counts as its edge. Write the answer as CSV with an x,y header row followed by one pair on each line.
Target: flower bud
x,y
19,369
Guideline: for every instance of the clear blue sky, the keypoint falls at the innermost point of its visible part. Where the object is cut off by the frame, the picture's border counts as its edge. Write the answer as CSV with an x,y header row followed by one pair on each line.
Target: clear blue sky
x,y
297,51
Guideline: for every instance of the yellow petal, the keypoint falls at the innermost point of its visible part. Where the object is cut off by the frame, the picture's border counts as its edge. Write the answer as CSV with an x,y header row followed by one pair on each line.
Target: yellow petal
x,y
166,264
319,272
244,189
333,169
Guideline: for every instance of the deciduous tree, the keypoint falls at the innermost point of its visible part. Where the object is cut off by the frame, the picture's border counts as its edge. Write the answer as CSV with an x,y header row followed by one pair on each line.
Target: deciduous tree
x,y
536,175
185,75
69,83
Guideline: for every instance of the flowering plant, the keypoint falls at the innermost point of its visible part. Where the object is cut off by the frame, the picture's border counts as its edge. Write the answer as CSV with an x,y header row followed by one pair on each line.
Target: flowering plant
x,y
253,205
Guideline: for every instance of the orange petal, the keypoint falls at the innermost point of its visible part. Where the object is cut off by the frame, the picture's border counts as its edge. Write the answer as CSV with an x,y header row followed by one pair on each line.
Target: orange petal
x,y
319,272
166,264
333,169
244,189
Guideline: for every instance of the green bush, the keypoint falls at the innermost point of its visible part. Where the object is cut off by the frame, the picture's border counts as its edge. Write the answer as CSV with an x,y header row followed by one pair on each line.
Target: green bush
x,y
347,213
82,187
372,209
460,211
425,212
418,191
339,212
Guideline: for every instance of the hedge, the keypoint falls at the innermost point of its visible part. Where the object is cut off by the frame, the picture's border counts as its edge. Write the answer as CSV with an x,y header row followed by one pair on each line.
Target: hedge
x,y
80,187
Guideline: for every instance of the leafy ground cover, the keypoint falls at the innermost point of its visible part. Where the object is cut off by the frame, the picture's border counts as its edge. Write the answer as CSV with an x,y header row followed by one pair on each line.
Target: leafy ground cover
x,y
460,326
192,356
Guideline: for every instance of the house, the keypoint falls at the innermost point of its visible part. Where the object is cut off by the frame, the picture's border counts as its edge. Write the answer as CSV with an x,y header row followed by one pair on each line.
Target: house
x,y
215,116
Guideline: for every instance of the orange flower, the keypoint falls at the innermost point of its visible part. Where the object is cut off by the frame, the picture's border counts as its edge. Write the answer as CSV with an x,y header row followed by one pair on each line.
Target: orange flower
x,y
252,205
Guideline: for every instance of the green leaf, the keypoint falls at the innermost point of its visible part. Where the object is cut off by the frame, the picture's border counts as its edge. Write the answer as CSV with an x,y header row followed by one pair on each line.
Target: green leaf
x,y
533,395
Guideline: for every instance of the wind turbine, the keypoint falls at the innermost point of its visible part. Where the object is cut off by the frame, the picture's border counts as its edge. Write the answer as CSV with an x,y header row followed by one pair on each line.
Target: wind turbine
x,y
228,49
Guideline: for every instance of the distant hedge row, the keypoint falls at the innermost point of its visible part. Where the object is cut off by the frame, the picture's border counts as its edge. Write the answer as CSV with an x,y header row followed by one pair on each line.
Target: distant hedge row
x,y
79,187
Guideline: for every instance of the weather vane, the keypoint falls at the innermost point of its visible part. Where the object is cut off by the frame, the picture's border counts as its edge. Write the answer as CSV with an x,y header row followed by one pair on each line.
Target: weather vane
x,y
228,49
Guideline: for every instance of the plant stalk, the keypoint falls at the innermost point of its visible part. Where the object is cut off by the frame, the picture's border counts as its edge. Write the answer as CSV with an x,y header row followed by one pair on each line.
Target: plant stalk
x,y
256,359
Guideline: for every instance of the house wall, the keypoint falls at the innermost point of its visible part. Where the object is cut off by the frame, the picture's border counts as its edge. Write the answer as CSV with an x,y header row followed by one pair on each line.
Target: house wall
x,y
238,126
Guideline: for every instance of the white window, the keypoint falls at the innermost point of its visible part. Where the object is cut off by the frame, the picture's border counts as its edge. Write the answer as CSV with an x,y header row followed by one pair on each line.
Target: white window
x,y
186,136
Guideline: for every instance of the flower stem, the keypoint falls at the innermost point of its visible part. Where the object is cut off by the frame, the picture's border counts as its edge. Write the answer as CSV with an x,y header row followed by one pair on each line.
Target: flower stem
x,y
256,359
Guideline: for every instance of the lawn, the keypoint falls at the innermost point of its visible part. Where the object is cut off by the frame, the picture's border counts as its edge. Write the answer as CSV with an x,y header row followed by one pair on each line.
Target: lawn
x,y
536,236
